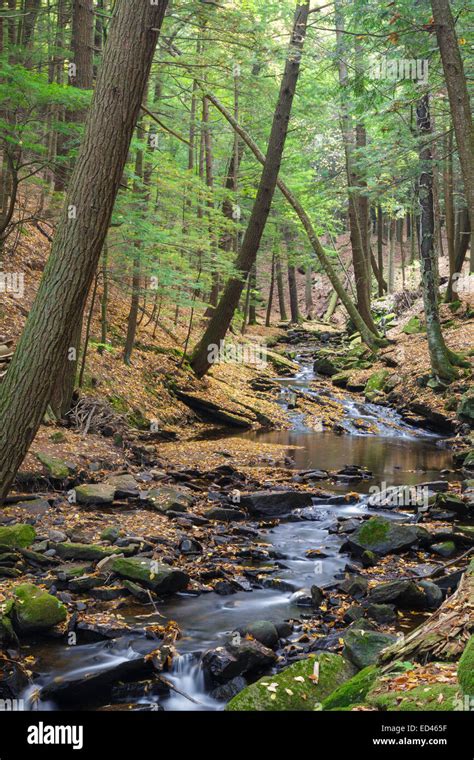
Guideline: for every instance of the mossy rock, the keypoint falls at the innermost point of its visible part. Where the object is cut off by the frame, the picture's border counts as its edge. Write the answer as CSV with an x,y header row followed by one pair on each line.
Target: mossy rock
x,y
466,406
57,437
83,551
364,647
95,493
56,468
295,688
468,462
161,578
466,669
35,610
352,692
376,382
341,379
20,535
384,536
7,634
414,326
437,697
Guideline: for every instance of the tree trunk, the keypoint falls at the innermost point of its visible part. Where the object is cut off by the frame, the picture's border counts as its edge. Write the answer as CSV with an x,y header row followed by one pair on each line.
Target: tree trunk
x,y
308,293
380,249
449,201
281,290
80,235
222,317
295,313
391,256
440,357
270,293
458,98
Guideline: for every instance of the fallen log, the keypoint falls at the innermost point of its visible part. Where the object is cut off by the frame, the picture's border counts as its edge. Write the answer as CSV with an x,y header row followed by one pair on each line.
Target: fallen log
x,y
444,635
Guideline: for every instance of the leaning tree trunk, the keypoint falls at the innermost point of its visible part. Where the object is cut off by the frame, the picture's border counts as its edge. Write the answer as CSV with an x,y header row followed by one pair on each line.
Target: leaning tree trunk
x,y
224,312
443,637
82,44
458,100
83,225
370,339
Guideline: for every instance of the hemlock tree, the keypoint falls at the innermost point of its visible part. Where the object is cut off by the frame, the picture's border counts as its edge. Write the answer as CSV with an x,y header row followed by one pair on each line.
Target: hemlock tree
x,y
224,311
81,231
458,100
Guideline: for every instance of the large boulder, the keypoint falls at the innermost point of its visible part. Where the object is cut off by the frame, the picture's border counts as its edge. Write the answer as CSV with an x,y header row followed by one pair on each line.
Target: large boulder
x,y
385,537
274,503
35,611
301,686
236,659
363,647
163,579
20,535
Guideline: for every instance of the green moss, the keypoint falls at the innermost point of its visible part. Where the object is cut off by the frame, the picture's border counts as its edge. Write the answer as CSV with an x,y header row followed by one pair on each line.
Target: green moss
x,y
35,610
295,690
374,530
83,551
466,669
56,468
437,697
413,326
376,382
353,691
17,535
57,437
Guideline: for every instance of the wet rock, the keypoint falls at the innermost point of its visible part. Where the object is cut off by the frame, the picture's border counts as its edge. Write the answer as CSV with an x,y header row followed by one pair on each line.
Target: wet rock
x,y
368,559
353,613
383,536
36,611
381,613
406,594
138,690
160,578
261,630
307,597
274,503
444,549
166,498
137,591
230,689
95,493
225,663
108,593
85,583
79,687
355,586
20,534
224,514
364,647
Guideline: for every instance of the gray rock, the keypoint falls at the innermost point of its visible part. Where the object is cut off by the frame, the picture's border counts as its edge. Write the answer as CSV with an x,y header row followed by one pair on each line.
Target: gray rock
x,y
274,503
364,647
383,536
261,630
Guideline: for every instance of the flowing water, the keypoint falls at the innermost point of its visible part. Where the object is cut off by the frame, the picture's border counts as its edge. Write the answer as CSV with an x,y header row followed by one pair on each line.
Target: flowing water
x,y
395,454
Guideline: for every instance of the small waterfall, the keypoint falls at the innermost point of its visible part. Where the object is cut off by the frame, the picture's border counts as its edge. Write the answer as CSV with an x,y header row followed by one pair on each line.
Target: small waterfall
x,y
188,676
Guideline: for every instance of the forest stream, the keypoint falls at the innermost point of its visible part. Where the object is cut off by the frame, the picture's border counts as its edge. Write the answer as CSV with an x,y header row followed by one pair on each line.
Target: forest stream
x,y
396,453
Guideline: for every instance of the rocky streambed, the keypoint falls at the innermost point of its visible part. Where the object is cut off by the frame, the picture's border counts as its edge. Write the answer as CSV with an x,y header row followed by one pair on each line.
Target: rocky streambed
x,y
176,588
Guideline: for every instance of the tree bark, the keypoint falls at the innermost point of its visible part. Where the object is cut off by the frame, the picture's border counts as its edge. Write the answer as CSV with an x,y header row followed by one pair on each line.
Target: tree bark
x,y
458,99
281,290
292,287
222,317
80,235
440,357
270,293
